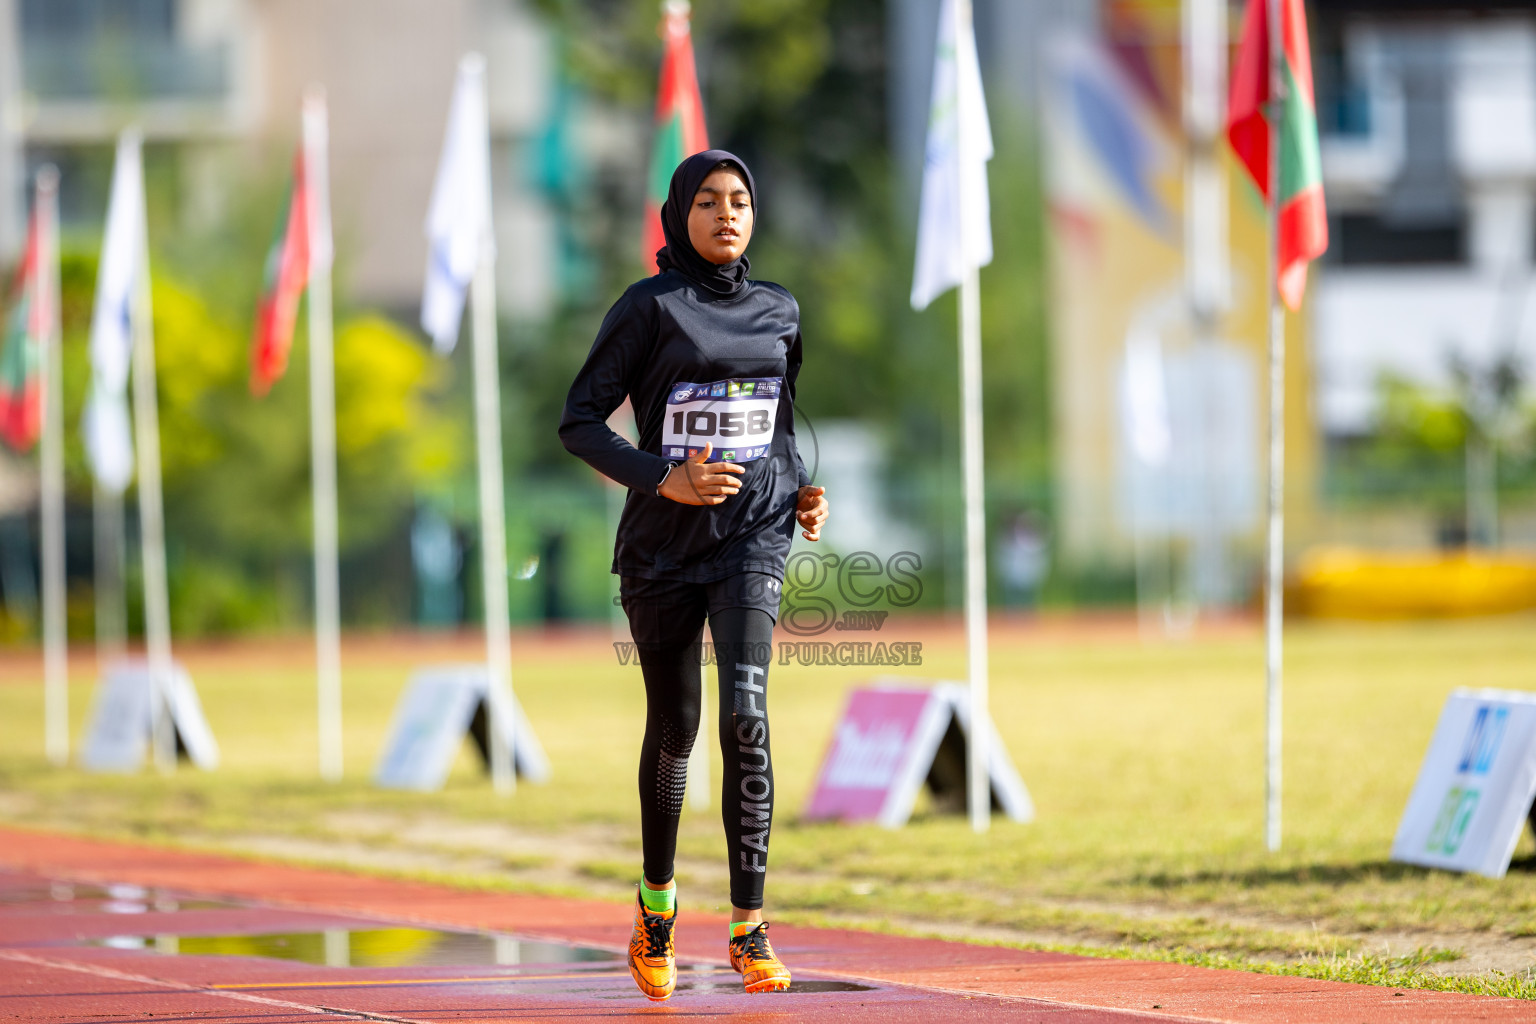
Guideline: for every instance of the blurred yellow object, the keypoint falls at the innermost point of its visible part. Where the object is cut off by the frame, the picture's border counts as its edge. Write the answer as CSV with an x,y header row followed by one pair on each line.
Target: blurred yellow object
x,y
1347,583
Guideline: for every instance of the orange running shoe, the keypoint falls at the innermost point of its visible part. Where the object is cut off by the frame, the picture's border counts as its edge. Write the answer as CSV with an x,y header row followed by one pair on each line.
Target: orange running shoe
x,y
652,962
754,959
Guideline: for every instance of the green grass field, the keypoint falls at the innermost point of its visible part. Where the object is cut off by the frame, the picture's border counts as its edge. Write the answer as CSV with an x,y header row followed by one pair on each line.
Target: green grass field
x,y
1145,760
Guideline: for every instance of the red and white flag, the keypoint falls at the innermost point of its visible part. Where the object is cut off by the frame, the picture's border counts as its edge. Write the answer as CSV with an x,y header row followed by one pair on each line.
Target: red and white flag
x,y
21,346
294,254
680,131
1303,219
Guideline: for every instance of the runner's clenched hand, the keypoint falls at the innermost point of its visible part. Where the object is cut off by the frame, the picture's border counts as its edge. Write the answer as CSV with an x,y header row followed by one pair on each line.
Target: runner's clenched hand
x,y
697,482
811,511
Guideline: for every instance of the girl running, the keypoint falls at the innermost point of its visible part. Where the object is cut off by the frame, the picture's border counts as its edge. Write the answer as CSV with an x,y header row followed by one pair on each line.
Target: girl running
x,y
708,360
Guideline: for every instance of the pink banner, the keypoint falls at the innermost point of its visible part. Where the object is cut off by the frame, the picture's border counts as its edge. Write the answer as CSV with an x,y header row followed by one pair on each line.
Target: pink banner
x,y
873,743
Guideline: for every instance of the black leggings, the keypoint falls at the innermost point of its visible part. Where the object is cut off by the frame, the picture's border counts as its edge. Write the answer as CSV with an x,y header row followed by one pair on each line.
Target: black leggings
x,y
667,636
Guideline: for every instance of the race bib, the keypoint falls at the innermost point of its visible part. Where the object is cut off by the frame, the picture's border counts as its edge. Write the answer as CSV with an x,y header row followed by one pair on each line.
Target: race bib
x,y
736,416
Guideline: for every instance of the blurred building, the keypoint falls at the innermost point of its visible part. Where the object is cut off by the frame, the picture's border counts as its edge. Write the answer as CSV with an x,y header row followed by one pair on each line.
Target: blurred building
x,y
216,86
1428,113
1428,119
1157,358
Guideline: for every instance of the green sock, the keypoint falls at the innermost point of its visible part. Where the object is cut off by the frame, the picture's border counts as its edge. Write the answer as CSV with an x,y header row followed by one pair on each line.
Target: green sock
x,y
740,928
658,901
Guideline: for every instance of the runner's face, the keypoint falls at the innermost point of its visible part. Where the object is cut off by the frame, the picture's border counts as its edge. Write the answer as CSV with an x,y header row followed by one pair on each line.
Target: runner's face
x,y
720,220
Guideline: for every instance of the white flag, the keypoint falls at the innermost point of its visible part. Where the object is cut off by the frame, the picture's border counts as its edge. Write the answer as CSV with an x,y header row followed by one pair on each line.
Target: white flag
x,y
946,248
108,439
459,221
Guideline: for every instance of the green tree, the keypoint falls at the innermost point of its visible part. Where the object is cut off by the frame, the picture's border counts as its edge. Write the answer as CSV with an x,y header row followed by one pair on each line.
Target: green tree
x,y
236,469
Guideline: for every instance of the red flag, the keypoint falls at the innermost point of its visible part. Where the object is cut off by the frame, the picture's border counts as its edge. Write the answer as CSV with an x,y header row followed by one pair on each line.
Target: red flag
x,y
1303,220
286,275
21,359
679,121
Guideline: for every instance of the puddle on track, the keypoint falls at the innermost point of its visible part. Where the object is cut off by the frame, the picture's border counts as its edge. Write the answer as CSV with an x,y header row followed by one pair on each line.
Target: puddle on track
x,y
372,947
425,947
367,947
339,947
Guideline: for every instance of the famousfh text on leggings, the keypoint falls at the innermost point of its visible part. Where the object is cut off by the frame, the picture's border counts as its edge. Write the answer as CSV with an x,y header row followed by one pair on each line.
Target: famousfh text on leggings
x,y
756,789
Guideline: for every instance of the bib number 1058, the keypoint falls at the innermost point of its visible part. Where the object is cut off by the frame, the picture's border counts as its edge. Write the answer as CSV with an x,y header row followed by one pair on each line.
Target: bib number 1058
x,y
706,423
736,416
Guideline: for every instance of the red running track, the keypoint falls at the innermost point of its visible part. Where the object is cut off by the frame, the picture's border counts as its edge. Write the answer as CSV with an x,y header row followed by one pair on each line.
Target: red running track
x,y
64,915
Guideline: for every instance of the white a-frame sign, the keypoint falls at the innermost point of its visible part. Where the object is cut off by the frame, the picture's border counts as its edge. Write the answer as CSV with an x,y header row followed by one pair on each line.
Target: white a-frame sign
x,y
1476,785
123,718
440,705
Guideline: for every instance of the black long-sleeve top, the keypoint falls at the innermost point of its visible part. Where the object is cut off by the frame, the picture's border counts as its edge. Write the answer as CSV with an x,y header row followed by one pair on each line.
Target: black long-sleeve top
x,y
663,333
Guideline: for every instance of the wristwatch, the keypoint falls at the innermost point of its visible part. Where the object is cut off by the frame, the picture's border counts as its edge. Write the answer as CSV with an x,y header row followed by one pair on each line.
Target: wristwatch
x,y
664,474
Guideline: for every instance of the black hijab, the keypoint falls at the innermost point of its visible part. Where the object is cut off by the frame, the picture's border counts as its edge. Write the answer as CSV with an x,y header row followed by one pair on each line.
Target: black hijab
x,y
722,279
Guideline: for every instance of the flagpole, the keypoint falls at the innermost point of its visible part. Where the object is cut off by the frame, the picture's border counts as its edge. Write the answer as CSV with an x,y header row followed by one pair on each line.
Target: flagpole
x,y
493,535
1273,622
157,610
978,788
322,434
107,557
977,777
105,424
51,457
500,714
462,242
